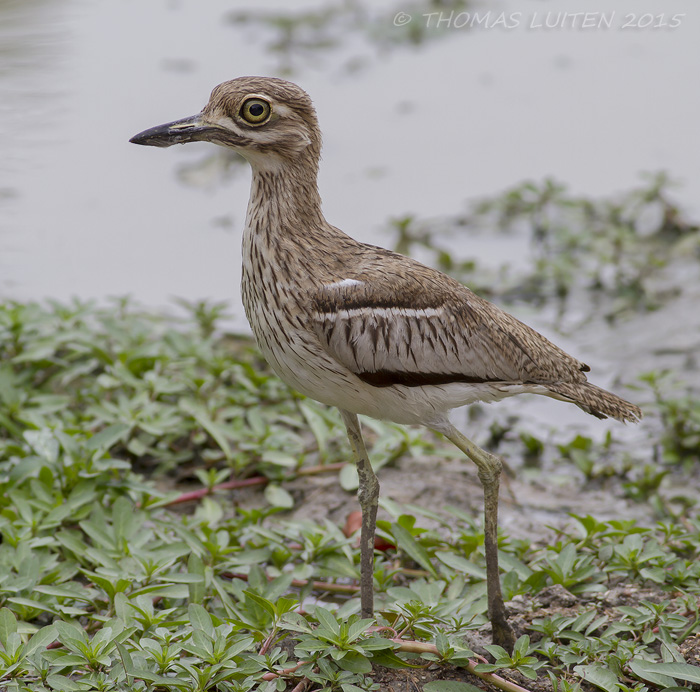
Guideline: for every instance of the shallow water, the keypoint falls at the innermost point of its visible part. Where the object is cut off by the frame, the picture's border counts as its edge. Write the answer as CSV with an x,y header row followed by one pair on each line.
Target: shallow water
x,y
415,130
407,130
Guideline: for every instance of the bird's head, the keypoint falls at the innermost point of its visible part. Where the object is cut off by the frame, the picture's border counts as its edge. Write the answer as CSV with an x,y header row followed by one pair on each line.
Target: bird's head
x,y
268,121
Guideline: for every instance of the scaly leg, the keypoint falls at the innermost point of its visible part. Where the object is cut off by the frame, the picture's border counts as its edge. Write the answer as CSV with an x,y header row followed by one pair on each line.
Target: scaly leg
x,y
489,467
368,495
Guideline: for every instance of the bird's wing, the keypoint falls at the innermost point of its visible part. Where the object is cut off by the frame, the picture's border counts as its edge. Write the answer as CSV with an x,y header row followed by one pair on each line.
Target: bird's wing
x,y
394,321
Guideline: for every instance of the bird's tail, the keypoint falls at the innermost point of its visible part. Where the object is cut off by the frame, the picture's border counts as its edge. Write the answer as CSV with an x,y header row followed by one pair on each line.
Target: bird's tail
x,y
596,401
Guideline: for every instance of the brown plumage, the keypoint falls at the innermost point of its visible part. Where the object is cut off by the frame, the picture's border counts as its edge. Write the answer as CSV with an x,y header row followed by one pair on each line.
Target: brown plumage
x,y
363,328
373,329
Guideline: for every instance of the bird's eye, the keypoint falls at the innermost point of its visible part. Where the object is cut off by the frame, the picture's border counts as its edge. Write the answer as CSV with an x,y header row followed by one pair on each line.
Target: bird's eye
x,y
255,111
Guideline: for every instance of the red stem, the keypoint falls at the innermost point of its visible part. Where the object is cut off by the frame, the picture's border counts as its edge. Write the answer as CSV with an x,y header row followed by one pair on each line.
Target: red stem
x,y
194,495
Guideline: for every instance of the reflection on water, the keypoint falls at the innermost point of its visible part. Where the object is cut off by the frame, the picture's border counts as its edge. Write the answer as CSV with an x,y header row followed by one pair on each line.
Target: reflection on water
x,y
34,37
301,38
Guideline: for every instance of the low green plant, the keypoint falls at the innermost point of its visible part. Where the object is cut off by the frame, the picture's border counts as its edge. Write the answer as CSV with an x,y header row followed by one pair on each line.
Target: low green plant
x,y
519,660
107,584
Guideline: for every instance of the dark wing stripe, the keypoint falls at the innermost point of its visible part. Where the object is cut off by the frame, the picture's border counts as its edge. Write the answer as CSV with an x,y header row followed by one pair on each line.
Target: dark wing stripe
x,y
387,378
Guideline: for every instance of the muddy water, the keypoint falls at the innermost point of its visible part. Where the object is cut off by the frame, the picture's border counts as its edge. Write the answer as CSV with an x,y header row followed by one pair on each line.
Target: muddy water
x,y
407,130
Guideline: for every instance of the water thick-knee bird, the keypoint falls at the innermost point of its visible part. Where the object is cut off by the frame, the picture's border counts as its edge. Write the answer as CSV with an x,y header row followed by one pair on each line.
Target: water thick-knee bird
x,y
362,328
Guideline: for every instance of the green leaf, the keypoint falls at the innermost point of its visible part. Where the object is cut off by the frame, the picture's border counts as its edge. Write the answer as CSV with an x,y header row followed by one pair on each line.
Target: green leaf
x,y
122,607
522,646
566,558
124,518
273,456
262,602
296,623
127,661
107,438
326,620
317,425
377,644
497,651
509,563
200,618
359,627
201,415
278,496
63,684
239,646
389,659
599,676
355,663
460,564
44,444
197,589
70,635
680,671
348,478
8,625
638,668
528,671
414,549
40,639
442,643
30,603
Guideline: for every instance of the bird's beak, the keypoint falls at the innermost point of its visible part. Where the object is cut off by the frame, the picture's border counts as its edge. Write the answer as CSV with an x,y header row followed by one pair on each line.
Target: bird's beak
x,y
192,129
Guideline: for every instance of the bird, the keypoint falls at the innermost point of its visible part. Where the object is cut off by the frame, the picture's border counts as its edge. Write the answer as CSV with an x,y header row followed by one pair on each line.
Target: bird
x,y
365,329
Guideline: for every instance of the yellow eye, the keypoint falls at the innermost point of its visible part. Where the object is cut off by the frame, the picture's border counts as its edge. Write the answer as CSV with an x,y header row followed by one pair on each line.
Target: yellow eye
x,y
255,111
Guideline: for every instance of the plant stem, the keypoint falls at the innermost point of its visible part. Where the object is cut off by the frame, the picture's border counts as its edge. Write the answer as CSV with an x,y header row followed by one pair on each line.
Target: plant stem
x,y
414,647
195,495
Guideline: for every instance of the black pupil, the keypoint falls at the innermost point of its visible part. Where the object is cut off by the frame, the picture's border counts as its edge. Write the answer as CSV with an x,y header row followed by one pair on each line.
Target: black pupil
x,y
256,110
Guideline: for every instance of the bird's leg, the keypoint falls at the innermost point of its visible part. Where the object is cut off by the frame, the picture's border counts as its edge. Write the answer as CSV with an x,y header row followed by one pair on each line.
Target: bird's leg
x,y
368,495
489,469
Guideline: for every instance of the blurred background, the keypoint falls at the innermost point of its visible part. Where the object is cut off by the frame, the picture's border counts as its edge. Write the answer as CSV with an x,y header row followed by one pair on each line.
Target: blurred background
x,y
426,109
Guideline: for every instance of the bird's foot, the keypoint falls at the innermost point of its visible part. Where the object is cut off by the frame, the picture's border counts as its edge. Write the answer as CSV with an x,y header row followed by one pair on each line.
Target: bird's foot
x,y
502,632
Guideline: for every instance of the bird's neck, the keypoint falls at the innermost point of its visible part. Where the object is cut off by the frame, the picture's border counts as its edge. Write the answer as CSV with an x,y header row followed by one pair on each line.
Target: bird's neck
x,y
285,235
284,199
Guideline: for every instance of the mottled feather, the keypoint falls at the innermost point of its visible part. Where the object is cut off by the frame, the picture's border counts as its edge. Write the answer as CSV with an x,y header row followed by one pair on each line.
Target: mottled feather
x,y
402,323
